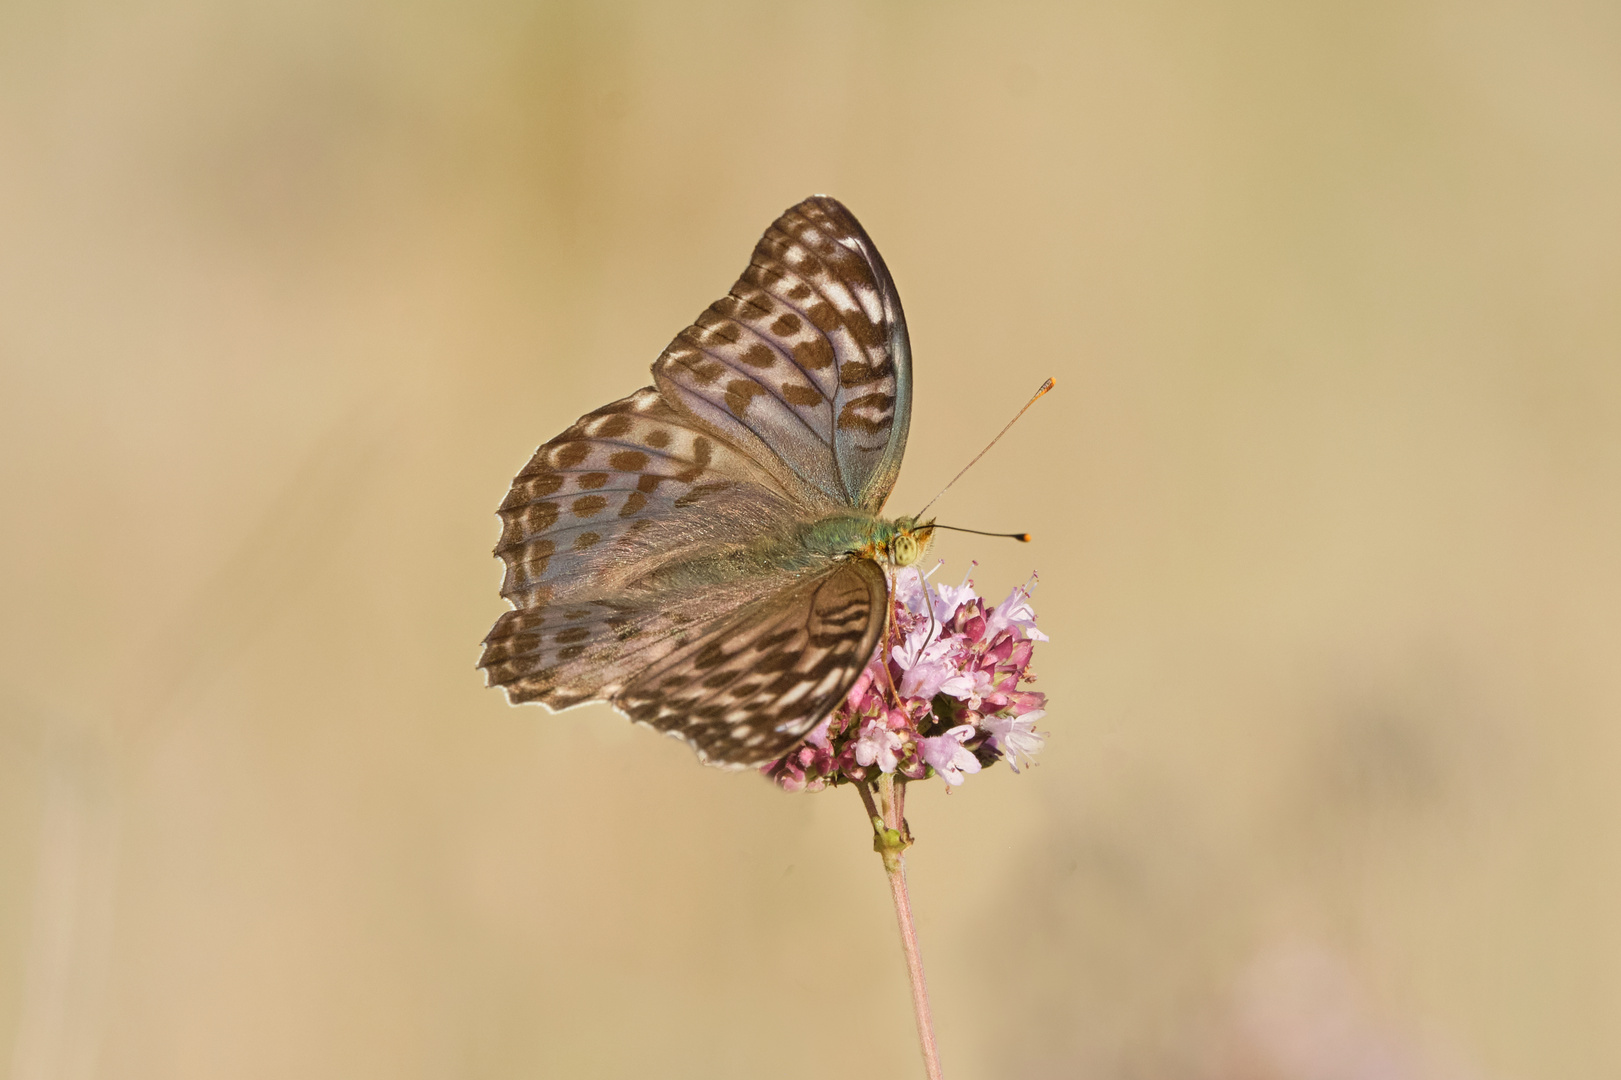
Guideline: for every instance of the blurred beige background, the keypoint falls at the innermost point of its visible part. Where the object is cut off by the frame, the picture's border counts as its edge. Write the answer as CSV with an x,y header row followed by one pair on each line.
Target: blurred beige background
x,y
1327,511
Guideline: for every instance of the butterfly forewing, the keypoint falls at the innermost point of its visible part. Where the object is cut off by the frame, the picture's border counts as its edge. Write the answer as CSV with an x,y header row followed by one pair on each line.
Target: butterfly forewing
x,y
750,688
805,365
590,527
633,481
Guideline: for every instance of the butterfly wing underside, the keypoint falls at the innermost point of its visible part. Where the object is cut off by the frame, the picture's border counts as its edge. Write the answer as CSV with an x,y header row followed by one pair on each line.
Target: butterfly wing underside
x,y
805,365
786,399
748,690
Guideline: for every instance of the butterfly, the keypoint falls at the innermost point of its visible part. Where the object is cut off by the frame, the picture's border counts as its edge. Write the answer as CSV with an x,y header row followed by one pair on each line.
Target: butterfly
x,y
707,555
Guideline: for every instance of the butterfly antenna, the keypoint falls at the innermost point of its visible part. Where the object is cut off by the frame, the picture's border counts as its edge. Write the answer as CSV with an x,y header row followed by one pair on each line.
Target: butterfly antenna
x,y
1023,538
1046,386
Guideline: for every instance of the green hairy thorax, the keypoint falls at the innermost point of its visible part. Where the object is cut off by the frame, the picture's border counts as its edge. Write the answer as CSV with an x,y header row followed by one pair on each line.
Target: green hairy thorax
x,y
900,542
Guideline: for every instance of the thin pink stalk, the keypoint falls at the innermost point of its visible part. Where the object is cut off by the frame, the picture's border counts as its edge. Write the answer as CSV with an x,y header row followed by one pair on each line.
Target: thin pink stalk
x,y
891,840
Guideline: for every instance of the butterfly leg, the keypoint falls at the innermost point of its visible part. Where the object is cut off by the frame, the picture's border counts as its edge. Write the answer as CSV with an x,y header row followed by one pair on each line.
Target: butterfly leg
x,y
888,645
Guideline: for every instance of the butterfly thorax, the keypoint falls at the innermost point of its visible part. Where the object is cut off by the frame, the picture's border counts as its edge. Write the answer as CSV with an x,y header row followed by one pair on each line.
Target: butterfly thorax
x,y
900,542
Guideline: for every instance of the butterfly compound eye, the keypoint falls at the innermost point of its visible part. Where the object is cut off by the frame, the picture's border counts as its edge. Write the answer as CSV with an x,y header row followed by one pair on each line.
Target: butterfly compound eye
x,y
906,550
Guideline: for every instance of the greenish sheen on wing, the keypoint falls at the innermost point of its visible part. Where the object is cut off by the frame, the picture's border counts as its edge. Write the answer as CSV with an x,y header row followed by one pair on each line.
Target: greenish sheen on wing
x,y
809,548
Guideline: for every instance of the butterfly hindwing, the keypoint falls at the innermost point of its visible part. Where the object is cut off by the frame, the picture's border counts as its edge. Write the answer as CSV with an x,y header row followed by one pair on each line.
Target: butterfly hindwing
x,y
562,655
754,684
805,364
740,682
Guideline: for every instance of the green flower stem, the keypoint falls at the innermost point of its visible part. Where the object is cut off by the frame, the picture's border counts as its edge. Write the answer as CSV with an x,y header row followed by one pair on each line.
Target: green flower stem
x,y
891,838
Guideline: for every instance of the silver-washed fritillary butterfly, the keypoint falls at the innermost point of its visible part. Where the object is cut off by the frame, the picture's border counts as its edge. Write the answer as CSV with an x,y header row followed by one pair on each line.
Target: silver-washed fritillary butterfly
x,y
707,554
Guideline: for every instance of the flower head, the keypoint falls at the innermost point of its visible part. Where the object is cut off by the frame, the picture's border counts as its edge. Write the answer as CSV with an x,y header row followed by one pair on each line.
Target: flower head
x,y
945,693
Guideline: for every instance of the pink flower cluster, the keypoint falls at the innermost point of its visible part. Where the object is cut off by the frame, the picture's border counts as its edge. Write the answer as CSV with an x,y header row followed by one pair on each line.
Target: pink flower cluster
x,y
942,694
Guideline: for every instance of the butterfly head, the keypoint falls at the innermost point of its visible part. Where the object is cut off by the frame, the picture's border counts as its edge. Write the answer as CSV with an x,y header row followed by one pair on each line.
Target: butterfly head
x,y
909,541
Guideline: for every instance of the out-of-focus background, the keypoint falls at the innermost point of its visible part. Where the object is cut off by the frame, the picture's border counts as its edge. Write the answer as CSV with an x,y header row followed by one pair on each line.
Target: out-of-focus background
x,y
1327,511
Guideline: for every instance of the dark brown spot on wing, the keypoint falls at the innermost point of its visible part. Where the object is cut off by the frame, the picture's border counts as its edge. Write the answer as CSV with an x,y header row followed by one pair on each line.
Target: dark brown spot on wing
x,y
864,330
771,641
716,324
857,373
530,567
739,392
814,355
849,420
797,394
705,368
711,655
536,595
536,479
720,679
538,548
823,317
519,525
628,461
776,661
592,481
586,505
